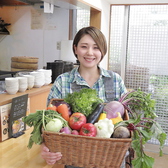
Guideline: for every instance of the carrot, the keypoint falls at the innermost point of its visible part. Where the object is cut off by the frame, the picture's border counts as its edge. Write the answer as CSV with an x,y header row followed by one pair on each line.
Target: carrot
x,y
52,107
63,110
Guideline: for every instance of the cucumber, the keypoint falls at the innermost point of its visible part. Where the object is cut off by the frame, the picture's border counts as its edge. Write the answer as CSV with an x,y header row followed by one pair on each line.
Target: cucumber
x,y
93,117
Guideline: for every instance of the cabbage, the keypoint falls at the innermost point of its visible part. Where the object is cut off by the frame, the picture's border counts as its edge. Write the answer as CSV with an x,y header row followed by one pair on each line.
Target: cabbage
x,y
54,125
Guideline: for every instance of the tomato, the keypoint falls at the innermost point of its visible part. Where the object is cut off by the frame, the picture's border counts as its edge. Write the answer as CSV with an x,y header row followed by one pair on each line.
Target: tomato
x,y
88,129
76,120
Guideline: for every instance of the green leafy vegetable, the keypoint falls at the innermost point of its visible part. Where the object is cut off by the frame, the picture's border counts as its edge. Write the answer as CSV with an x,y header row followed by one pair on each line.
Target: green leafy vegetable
x,y
84,101
39,120
143,125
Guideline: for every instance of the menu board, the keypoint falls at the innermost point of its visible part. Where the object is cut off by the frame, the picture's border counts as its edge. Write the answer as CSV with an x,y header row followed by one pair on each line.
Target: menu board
x,y
18,111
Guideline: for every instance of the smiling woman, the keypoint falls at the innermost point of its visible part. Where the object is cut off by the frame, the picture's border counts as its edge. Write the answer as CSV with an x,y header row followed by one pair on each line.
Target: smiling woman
x,y
89,47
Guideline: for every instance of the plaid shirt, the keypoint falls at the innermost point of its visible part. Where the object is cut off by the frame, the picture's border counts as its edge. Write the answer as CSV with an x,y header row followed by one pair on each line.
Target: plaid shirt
x,y
62,85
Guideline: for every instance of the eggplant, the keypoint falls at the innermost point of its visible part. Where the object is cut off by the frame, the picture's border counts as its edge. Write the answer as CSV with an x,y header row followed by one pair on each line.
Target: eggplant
x,y
93,117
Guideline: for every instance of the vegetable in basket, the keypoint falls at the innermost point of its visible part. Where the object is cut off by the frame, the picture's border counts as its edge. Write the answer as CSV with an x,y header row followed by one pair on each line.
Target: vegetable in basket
x,y
104,128
117,119
56,102
102,116
84,101
51,107
121,132
38,120
76,121
143,125
93,117
88,129
54,125
75,132
111,109
64,111
66,130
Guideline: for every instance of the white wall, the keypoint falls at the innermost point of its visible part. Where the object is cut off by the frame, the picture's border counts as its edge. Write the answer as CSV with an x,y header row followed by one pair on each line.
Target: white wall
x,y
104,6
41,42
32,33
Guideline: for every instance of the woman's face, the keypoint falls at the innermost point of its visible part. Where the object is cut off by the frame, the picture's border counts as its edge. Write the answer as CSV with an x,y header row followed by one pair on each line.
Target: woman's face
x,y
88,52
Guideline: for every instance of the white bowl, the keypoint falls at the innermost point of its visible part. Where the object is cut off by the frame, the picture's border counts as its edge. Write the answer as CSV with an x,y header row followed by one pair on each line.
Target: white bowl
x,y
30,81
12,90
22,80
47,75
30,86
39,78
11,81
22,89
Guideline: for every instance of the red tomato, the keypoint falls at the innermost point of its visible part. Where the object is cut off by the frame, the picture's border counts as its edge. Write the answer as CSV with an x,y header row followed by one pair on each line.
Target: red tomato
x,y
76,121
88,129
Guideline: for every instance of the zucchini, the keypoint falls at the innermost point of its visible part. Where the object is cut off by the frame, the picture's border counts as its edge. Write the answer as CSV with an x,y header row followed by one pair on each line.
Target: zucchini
x,y
93,117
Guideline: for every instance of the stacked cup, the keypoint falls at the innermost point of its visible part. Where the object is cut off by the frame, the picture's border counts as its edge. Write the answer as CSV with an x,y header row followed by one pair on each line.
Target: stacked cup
x,y
11,85
30,81
39,78
47,75
22,84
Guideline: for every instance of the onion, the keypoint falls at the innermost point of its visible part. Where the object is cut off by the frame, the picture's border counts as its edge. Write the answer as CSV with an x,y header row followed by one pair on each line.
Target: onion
x,y
75,132
66,130
112,108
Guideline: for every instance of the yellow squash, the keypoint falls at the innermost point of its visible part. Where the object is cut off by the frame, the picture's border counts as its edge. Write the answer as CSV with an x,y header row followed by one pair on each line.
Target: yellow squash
x,y
102,116
117,119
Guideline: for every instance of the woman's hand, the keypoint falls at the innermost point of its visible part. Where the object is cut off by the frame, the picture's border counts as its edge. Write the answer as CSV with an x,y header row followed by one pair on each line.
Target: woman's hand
x,y
49,157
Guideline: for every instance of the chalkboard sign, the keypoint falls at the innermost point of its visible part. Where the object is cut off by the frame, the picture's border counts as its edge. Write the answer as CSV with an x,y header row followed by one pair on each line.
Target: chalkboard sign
x,y
18,111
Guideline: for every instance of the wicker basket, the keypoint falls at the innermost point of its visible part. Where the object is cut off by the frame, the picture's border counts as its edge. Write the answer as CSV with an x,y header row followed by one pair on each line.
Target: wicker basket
x,y
88,152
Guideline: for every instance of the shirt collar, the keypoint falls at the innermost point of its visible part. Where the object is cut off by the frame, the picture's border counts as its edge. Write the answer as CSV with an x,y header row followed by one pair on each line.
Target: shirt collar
x,y
104,72
75,76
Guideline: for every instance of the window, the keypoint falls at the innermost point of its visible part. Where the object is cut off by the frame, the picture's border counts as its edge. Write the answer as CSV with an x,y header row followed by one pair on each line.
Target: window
x,y
139,52
83,18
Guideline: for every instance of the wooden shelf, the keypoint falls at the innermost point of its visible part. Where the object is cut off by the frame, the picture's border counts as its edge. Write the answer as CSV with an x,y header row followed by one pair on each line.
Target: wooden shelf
x,y
38,97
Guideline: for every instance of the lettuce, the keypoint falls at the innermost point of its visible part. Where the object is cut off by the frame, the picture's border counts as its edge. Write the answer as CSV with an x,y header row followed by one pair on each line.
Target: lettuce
x,y
84,101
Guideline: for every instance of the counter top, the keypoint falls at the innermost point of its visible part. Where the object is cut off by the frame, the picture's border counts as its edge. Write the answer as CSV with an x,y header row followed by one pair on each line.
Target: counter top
x,y
6,98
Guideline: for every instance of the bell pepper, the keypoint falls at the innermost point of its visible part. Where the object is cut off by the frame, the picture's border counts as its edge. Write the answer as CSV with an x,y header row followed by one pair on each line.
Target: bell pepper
x,y
117,119
104,128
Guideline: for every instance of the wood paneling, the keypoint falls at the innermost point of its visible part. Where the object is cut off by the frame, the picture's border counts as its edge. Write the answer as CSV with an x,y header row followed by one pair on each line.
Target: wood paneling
x,y
95,18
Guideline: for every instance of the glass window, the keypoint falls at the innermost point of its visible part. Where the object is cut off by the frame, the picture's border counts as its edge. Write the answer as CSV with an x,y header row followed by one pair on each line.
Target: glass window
x,y
139,50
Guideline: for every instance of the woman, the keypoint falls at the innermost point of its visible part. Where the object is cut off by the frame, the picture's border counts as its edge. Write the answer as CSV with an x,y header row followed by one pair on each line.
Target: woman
x,y
89,47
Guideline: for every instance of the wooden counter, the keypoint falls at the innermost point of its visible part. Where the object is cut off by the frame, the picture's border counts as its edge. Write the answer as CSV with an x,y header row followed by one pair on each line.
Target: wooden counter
x,y
38,97
15,152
